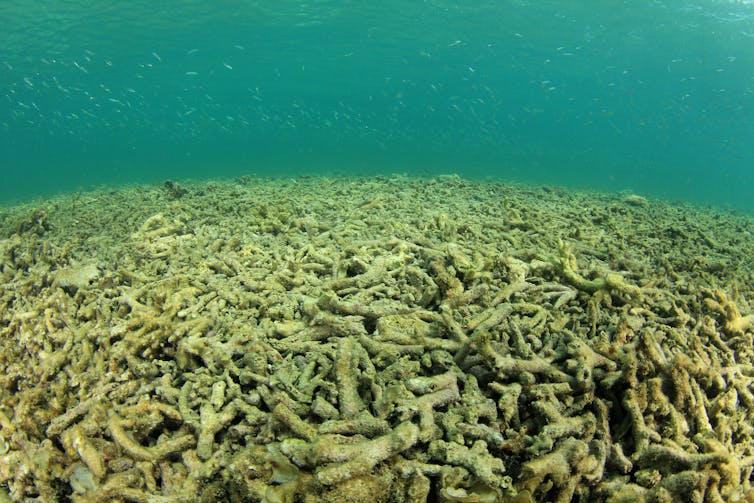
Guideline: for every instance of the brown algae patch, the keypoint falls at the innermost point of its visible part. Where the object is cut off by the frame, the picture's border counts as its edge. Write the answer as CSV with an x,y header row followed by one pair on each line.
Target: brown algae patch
x,y
377,339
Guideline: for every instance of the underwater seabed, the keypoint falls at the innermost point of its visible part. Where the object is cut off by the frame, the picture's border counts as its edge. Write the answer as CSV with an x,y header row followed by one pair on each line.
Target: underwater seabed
x,y
375,339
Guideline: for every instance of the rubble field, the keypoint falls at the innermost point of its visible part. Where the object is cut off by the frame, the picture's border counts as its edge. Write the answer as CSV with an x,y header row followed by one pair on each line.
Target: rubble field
x,y
382,339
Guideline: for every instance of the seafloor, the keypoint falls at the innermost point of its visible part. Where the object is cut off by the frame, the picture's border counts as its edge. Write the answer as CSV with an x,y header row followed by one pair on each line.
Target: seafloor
x,y
379,339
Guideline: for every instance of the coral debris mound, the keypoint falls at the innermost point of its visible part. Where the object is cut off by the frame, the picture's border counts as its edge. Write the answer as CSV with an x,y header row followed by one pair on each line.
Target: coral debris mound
x,y
380,339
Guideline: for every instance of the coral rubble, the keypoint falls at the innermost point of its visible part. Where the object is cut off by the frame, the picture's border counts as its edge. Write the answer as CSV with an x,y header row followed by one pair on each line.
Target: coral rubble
x,y
374,340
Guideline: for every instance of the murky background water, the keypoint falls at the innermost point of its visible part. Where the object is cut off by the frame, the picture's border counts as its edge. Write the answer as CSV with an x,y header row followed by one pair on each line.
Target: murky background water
x,y
648,96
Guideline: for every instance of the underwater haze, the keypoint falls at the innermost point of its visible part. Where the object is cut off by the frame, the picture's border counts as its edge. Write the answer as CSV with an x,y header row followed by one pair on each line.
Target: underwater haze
x,y
654,97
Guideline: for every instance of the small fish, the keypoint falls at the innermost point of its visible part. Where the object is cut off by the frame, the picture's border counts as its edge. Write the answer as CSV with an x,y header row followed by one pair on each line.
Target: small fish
x,y
239,47
157,57
226,65
192,52
455,43
191,74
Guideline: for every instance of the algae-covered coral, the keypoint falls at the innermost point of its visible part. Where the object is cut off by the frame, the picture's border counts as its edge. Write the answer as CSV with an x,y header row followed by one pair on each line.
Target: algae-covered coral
x,y
384,339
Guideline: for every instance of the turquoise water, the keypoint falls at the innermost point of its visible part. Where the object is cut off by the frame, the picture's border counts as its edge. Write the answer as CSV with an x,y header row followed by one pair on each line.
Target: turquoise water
x,y
649,96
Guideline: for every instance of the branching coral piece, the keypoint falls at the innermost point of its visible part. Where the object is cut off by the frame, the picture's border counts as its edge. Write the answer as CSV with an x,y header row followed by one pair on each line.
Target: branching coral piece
x,y
435,392
212,421
507,365
565,263
734,322
294,423
567,462
674,458
75,440
477,459
345,461
370,453
346,376
138,451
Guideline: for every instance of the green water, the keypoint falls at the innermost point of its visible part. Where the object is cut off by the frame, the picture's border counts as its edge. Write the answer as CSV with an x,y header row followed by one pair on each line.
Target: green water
x,y
648,96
